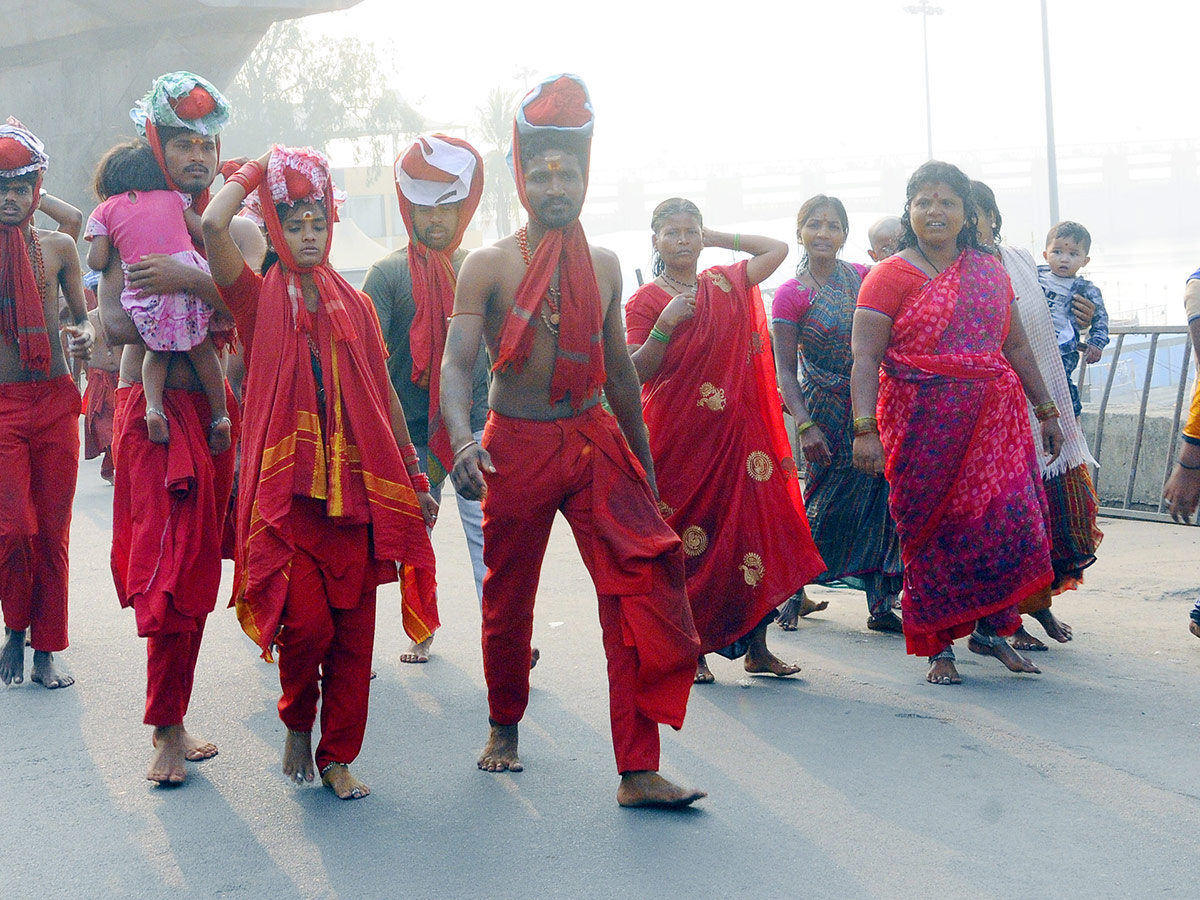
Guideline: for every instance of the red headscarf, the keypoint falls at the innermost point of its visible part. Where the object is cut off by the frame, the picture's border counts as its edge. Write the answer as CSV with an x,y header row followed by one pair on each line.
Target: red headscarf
x,y
434,171
559,104
22,310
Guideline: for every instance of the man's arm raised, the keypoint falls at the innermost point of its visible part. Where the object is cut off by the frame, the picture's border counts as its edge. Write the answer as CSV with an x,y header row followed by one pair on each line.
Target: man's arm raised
x,y
622,387
476,283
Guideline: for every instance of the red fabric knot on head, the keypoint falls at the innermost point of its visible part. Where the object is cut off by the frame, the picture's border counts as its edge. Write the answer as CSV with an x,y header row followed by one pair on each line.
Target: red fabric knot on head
x,y
195,104
14,154
299,187
563,103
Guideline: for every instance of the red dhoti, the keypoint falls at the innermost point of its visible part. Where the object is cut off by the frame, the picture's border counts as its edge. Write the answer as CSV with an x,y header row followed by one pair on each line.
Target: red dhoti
x,y
99,404
168,509
583,467
328,630
39,459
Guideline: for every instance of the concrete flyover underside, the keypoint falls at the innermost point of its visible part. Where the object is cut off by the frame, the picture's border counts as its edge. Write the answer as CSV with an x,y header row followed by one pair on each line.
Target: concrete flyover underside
x,y
71,69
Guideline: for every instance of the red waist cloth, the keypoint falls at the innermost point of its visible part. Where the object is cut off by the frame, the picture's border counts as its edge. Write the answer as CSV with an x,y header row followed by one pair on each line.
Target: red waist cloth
x,y
726,477
583,466
169,509
99,404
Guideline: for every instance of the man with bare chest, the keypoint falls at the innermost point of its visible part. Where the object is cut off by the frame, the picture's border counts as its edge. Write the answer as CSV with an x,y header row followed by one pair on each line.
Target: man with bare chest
x,y
549,307
39,415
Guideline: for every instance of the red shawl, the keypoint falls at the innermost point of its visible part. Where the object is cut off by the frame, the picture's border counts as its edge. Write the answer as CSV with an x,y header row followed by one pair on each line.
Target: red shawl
x,y
22,310
350,461
726,477
433,285
962,469
579,365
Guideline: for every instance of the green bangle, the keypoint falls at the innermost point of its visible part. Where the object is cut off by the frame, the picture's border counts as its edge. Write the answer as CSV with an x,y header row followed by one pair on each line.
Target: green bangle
x,y
661,336
804,426
737,243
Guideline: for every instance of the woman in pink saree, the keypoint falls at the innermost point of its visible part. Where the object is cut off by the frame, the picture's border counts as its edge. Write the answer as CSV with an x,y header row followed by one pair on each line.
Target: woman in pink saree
x,y
939,368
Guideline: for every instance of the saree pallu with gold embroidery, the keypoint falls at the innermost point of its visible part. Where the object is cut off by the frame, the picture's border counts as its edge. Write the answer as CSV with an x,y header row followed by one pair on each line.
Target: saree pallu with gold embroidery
x,y
726,477
961,465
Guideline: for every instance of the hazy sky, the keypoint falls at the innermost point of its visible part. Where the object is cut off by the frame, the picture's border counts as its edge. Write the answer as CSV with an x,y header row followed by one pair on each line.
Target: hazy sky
x,y
770,80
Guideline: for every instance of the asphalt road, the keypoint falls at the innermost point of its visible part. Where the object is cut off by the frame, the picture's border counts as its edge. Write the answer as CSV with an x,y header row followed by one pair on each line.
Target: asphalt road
x,y
854,780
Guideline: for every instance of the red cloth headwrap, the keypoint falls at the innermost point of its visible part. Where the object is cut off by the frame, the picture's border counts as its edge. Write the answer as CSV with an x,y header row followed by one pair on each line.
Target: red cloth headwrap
x,y
557,104
434,282
22,311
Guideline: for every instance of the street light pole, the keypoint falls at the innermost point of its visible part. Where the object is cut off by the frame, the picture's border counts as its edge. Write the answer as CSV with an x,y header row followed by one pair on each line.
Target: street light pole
x,y
924,10
1051,157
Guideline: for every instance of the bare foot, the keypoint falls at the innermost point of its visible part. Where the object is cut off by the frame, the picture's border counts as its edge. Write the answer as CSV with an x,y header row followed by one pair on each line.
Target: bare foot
x,y
534,655
195,749
770,664
157,427
1194,628
417,653
1003,652
1055,627
338,779
704,675
651,789
942,671
12,657
500,754
167,764
789,613
1023,640
298,762
220,435
46,674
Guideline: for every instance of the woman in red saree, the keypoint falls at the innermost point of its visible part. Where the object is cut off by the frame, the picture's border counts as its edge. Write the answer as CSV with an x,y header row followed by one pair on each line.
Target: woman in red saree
x,y
945,421
727,482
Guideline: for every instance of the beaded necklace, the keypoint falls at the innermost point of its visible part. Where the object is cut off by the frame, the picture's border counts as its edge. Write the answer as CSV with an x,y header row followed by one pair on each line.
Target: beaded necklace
x,y
553,295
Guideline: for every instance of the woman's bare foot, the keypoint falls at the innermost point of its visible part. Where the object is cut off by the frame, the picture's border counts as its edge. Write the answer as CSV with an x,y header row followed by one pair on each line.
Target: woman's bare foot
x,y
999,648
337,777
1023,640
789,613
500,753
651,789
298,762
417,653
220,435
12,657
167,765
889,622
1055,627
942,671
704,675
45,673
761,661
157,427
195,749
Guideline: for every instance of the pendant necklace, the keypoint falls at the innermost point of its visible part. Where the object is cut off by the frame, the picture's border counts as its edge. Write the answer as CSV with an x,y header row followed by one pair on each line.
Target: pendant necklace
x,y
681,285
553,295
928,260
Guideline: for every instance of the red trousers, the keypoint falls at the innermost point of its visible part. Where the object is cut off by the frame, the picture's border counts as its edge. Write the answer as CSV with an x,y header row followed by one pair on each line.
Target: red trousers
x,y
583,467
168,508
39,463
328,633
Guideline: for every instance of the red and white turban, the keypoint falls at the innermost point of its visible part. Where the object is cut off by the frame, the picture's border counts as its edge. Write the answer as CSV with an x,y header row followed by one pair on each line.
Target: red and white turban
x,y
20,150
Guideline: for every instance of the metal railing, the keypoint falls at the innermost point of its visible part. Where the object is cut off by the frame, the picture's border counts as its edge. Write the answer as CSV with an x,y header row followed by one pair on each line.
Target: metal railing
x,y
1126,506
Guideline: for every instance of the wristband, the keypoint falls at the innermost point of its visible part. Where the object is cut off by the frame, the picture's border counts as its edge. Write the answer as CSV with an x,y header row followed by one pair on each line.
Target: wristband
x,y
420,483
661,336
865,425
249,176
464,447
1047,410
804,426
737,243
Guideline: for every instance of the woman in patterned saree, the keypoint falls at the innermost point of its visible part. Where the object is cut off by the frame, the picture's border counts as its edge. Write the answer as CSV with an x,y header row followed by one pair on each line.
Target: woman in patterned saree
x,y
847,509
939,366
727,482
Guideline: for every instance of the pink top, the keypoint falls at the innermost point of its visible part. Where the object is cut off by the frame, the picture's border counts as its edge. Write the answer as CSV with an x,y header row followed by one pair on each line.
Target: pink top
x,y
792,300
142,222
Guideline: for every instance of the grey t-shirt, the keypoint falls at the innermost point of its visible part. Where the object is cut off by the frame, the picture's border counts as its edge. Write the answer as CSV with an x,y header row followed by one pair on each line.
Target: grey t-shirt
x,y
389,285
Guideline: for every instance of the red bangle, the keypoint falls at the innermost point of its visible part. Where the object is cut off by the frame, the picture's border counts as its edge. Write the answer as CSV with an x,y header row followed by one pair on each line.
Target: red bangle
x,y
249,176
420,483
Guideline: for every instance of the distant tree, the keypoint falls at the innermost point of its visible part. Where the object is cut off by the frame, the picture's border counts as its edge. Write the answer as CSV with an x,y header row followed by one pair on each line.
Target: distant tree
x,y
499,202
298,91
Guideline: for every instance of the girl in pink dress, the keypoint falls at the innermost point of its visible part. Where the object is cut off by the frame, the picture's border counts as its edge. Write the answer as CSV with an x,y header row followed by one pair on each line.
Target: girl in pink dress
x,y
140,216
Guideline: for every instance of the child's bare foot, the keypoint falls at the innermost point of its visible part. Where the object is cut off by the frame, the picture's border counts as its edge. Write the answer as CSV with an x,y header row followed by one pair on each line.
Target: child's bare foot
x,y
157,426
167,765
45,673
651,789
220,435
500,753
337,777
12,657
298,762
